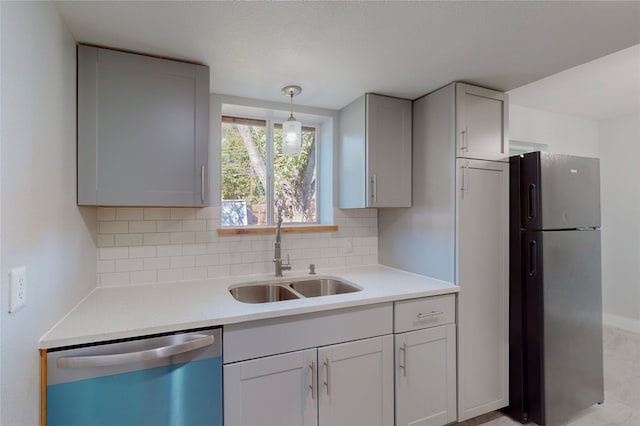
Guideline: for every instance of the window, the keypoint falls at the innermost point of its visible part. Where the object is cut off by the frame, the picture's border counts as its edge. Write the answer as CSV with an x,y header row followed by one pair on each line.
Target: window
x,y
257,179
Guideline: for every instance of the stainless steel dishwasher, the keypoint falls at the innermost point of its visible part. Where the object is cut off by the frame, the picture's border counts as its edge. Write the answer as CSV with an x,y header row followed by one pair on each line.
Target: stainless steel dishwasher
x,y
163,380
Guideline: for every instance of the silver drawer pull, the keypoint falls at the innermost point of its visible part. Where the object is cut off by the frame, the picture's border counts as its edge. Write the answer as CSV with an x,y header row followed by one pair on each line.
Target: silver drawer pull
x,y
430,314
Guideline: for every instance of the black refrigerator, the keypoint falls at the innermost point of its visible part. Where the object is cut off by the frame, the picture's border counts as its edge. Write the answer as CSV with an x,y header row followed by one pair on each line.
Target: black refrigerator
x,y
555,313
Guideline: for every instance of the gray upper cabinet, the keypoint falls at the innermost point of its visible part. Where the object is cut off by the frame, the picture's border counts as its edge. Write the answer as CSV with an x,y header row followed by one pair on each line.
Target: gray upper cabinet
x,y
482,119
143,130
375,152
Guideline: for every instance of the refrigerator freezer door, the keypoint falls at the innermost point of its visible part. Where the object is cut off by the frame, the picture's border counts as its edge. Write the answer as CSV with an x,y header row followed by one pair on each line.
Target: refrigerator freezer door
x,y
560,191
572,365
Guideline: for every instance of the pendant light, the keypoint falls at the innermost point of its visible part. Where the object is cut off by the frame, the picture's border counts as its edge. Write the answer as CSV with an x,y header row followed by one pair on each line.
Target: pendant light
x,y
292,128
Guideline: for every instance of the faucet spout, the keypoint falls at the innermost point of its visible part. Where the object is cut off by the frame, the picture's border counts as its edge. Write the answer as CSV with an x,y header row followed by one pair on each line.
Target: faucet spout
x,y
277,255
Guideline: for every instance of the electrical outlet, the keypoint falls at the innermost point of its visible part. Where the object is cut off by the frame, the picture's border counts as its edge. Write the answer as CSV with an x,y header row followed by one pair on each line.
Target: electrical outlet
x,y
17,288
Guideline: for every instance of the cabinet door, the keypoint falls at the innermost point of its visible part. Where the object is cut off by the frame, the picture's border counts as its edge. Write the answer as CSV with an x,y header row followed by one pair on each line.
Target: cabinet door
x,y
426,377
482,274
272,391
356,383
143,130
482,117
388,151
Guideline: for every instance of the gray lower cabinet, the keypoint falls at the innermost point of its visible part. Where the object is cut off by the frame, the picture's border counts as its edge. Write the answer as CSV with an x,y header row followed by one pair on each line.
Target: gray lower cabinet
x,y
272,391
425,353
347,384
143,130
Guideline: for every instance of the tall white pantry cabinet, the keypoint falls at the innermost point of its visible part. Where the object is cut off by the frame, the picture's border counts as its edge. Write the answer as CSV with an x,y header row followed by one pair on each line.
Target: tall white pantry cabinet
x,y
457,229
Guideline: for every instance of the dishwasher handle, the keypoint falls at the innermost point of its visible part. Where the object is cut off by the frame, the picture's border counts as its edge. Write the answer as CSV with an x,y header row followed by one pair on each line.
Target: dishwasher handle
x,y
132,357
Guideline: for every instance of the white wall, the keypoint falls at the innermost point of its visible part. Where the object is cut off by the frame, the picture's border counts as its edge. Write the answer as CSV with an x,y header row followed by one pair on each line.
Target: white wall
x,y
565,134
41,226
620,192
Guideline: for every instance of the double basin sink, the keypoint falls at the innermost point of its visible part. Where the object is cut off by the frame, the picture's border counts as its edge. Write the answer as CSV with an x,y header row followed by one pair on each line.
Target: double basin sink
x,y
263,292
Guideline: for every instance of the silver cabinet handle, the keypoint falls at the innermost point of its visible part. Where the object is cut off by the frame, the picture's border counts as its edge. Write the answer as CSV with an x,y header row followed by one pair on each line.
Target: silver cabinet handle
x,y
403,366
429,314
313,386
327,383
131,357
374,188
464,144
202,183
463,178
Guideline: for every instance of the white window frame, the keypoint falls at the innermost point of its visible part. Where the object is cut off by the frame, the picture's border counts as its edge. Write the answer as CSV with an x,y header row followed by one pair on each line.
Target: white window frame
x,y
270,123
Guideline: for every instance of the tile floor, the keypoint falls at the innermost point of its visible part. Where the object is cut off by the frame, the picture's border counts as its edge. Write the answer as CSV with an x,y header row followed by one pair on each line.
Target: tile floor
x,y
621,387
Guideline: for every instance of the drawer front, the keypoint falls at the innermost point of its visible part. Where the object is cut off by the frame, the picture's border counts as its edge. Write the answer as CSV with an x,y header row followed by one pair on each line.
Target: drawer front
x,y
424,313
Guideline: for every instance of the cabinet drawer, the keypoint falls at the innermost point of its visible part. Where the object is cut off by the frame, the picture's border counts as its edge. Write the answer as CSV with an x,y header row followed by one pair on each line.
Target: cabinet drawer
x,y
423,313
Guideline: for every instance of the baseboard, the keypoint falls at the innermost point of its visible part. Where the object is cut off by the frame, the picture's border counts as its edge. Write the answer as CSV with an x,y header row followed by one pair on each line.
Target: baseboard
x,y
625,323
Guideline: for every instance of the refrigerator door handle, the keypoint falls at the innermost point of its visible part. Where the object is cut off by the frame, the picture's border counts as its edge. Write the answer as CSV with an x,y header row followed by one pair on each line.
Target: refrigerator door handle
x,y
131,357
533,208
533,259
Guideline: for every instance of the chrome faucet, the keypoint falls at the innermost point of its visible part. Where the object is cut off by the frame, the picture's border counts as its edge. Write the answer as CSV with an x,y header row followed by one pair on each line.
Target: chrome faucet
x,y
277,258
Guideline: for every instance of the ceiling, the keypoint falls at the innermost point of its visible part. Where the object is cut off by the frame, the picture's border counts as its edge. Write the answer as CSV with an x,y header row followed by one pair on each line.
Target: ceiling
x,y
338,50
605,88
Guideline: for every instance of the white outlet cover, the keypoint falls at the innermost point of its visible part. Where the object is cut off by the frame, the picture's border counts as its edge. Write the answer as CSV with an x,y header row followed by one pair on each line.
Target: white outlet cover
x,y
17,288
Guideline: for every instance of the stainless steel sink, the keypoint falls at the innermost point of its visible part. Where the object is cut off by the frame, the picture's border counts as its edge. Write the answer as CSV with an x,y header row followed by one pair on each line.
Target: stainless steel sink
x,y
262,293
322,287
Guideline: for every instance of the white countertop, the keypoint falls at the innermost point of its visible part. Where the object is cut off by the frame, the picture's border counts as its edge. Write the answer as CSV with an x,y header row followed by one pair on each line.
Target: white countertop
x,y
109,313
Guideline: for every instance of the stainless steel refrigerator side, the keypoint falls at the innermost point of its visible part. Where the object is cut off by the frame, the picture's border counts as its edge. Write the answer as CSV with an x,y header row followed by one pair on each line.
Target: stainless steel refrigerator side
x,y
572,300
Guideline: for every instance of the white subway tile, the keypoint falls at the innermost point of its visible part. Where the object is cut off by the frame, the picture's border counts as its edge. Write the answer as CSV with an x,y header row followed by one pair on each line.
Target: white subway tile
x,y
157,263
354,260
207,260
106,240
261,268
116,278
142,251
230,258
113,227
194,225
240,269
170,275
108,253
329,252
252,257
169,250
143,277
155,213
311,253
194,273
213,224
125,265
370,259
142,226
259,245
182,238
127,240
169,226
105,266
218,271
129,213
106,213
206,237
208,213
194,249
319,243
215,248
182,262
183,213
154,239
337,261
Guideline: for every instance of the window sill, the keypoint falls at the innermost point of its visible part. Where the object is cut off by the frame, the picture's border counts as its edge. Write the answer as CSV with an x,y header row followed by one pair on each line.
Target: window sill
x,y
257,230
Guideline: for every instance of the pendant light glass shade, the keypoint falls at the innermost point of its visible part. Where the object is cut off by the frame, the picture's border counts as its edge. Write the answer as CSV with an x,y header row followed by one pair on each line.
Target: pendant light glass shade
x,y
291,137
292,128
